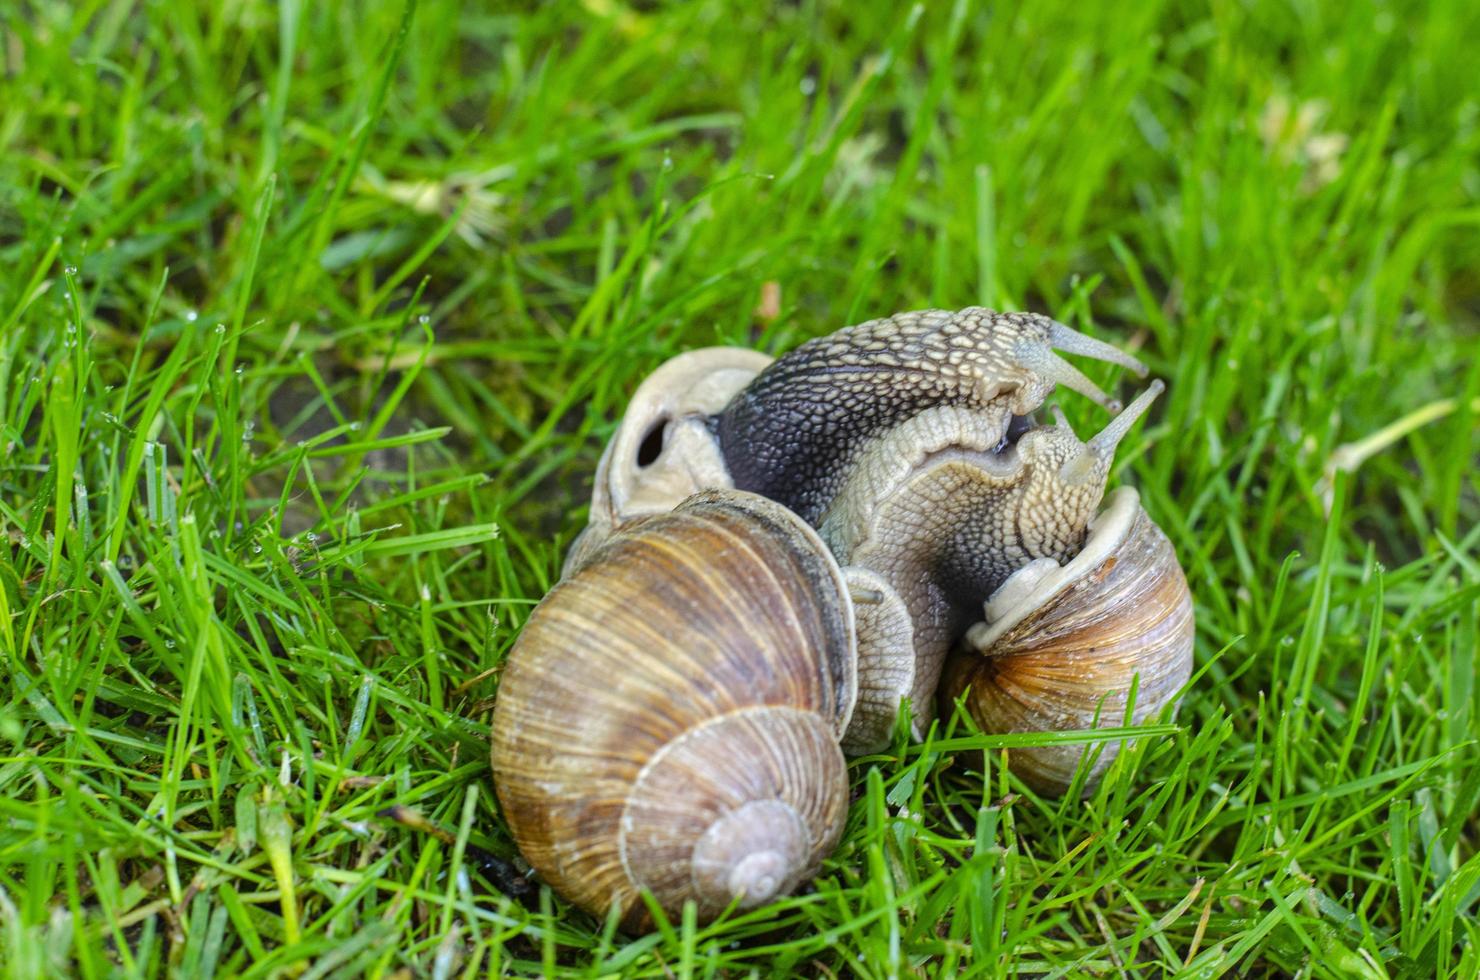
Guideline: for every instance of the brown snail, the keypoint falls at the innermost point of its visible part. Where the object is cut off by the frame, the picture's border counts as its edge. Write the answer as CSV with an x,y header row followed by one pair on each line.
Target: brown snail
x,y
669,718
945,515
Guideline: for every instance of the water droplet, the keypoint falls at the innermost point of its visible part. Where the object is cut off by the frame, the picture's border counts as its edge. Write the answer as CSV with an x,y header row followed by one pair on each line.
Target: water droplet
x,y
354,427
239,369
256,549
220,328
70,270
170,644
423,319
191,316
312,537
808,85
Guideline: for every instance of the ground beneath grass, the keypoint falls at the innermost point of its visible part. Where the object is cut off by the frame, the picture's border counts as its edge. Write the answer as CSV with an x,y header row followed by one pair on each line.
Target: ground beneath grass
x,y
315,317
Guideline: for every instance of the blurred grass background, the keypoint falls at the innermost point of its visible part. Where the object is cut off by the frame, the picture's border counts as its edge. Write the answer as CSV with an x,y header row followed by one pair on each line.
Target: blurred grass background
x,y
314,319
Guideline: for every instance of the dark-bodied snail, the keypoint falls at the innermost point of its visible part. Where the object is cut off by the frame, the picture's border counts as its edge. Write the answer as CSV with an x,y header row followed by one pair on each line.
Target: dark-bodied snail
x,y
795,433
1061,648
792,429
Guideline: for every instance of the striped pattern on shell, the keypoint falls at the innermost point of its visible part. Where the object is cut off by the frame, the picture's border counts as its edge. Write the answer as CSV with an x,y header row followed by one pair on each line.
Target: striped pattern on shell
x,y
686,686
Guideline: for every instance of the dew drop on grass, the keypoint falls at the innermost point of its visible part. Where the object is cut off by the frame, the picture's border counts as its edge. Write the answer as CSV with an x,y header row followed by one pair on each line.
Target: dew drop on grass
x,y
312,537
240,368
220,328
808,85
256,549
70,270
424,319
169,644
191,316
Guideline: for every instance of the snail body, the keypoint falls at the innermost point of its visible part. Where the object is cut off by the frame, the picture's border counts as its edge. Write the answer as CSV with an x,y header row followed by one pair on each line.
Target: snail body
x,y
796,431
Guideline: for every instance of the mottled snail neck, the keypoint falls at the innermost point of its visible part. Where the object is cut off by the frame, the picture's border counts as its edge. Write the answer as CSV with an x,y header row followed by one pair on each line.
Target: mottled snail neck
x,y
794,433
945,515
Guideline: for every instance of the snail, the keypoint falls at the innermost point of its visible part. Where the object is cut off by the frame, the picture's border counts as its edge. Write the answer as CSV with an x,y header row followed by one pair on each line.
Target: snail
x,y
669,719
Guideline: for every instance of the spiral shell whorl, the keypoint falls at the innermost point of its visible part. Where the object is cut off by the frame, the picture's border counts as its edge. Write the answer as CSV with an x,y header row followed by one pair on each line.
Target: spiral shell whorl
x,y
727,810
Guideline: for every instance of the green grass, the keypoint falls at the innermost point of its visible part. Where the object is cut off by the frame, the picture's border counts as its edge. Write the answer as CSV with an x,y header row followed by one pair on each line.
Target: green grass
x,y
314,320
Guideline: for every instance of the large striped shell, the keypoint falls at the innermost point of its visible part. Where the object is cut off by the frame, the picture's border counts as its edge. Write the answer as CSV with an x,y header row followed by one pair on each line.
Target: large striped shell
x,y
669,718
1062,647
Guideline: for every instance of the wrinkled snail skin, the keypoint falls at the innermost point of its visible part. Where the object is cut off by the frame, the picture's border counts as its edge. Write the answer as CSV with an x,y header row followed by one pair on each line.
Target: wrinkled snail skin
x,y
793,434
1063,647
944,513
669,717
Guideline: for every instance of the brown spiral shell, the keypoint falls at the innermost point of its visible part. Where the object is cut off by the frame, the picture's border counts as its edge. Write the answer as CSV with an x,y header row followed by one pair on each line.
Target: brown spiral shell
x,y
669,717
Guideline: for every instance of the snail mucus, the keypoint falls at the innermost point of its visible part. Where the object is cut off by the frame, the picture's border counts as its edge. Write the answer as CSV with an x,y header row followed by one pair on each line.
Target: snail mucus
x,y
779,553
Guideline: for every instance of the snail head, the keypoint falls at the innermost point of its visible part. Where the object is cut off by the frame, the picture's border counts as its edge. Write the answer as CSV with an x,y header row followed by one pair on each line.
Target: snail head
x,y
1065,478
